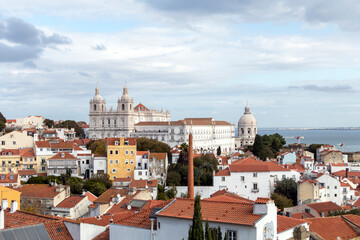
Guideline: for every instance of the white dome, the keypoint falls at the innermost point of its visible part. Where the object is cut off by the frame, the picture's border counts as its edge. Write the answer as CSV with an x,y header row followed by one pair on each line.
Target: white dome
x,y
247,118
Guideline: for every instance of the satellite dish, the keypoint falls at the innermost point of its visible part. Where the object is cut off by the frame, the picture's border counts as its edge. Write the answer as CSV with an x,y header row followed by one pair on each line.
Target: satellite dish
x,y
129,207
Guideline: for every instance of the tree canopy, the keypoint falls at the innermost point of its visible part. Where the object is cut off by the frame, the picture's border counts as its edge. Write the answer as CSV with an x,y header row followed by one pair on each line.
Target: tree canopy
x,y
152,145
288,188
72,124
204,166
281,201
2,122
197,231
96,146
267,146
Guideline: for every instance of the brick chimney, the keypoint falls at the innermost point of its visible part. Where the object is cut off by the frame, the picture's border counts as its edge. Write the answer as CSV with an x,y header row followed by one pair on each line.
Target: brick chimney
x,y
191,168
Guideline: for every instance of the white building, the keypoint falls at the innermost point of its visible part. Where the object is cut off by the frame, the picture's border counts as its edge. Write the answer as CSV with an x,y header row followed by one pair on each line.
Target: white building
x,y
59,163
72,207
247,129
252,178
208,134
120,122
151,166
172,220
99,164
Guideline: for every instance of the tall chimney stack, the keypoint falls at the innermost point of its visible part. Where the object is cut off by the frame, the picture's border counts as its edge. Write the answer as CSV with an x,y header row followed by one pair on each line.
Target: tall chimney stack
x,y
191,168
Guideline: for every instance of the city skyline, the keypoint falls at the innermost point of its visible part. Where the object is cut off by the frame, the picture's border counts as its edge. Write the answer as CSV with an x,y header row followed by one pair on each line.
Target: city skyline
x,y
295,63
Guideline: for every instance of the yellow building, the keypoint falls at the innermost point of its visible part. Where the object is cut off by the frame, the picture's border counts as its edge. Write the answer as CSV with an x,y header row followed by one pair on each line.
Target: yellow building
x,y
308,191
10,195
10,160
121,157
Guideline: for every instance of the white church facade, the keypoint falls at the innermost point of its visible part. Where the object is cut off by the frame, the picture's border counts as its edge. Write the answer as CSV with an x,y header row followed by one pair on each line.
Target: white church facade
x,y
120,122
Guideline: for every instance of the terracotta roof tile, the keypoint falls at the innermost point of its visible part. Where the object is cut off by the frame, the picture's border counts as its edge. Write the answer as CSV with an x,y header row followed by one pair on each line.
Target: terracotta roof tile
x,y
324,207
261,200
224,172
138,184
107,196
159,156
70,202
286,223
37,190
227,194
141,107
91,197
111,141
302,215
9,178
27,152
42,144
10,152
105,219
63,156
339,228
122,179
26,172
213,211
105,235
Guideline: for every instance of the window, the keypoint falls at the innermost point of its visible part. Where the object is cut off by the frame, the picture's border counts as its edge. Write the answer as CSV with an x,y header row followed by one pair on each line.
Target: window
x,y
123,107
111,151
139,164
132,162
126,161
255,186
335,187
335,195
2,142
255,174
113,170
140,173
242,178
83,162
223,179
328,187
132,152
111,161
128,169
283,176
127,152
116,152
116,161
42,168
328,195
232,235
43,161
87,161
14,142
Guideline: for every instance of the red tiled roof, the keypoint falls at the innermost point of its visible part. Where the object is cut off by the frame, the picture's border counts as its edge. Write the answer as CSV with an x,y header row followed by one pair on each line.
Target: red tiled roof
x,y
62,145
141,219
302,215
91,197
353,218
141,107
70,202
105,235
286,223
54,225
10,120
138,184
63,156
225,193
261,200
104,220
37,190
27,152
122,179
324,207
11,151
42,144
342,173
141,153
82,142
152,183
224,198
213,211
111,141
26,172
339,228
107,196
224,172
7,178
357,203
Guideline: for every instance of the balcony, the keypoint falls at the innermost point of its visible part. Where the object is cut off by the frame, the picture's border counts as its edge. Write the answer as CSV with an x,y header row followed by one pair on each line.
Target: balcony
x,y
254,190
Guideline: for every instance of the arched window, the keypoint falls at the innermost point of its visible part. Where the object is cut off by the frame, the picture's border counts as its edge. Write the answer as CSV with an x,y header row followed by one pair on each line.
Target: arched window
x,y
242,130
249,130
130,106
94,107
123,107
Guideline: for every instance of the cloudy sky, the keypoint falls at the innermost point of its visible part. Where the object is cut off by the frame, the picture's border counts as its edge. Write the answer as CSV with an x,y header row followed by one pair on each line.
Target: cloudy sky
x,y
295,61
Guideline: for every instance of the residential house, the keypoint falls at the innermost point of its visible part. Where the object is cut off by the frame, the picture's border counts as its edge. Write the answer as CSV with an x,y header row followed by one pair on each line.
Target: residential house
x,y
10,160
9,180
308,191
121,157
43,197
17,139
331,156
25,175
10,195
62,162
321,209
99,164
287,158
72,207
252,178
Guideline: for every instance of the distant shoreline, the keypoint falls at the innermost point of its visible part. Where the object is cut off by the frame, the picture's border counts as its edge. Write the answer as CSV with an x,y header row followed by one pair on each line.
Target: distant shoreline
x,y
285,129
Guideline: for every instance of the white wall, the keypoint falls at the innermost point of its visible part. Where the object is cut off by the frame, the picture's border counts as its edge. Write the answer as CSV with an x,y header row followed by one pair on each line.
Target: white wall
x,y
127,232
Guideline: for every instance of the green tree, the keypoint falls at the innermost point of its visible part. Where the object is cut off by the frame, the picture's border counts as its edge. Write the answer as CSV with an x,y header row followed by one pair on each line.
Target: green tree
x,y
219,233
183,156
161,195
76,185
2,126
218,151
103,178
95,187
96,146
312,148
173,178
72,124
355,211
49,123
281,201
268,146
288,188
207,231
197,231
64,178
37,180
152,145
2,118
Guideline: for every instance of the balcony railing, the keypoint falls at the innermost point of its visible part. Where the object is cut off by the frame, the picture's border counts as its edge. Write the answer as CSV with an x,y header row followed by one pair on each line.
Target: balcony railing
x,y
255,190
